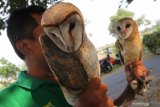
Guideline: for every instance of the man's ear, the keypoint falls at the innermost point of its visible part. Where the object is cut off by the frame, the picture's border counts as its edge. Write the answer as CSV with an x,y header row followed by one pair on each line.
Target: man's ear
x,y
24,46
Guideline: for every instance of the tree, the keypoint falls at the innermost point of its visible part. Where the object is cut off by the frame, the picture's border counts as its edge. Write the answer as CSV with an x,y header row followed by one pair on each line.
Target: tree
x,y
143,21
8,71
152,42
7,6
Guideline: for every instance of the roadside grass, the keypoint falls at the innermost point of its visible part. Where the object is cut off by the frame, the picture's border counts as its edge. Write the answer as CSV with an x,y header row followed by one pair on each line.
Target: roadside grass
x,y
1,86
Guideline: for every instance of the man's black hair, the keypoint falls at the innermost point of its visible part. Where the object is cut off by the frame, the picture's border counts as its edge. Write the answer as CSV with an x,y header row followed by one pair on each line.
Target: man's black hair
x,y
20,25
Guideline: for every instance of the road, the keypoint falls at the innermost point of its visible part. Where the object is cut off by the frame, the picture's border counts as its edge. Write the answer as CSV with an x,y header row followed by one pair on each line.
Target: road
x,y
116,80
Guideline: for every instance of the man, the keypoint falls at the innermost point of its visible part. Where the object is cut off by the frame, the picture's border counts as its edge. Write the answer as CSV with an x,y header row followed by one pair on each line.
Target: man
x,y
37,87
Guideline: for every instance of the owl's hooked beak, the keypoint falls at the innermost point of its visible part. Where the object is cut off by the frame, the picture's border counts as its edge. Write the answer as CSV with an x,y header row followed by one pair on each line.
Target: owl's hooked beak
x,y
123,33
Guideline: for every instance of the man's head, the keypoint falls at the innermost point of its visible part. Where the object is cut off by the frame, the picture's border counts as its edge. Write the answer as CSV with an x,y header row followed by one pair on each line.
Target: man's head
x,y
21,26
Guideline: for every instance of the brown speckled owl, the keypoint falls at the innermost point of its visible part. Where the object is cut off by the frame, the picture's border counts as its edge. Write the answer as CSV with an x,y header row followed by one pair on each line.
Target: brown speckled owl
x,y
69,53
130,48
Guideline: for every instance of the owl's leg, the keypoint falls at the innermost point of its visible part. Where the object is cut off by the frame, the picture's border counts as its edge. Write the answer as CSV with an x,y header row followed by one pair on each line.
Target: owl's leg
x,y
138,79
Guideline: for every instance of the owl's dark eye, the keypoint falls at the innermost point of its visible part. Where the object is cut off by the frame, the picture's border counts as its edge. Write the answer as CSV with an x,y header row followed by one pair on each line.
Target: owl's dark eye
x,y
72,25
118,28
128,25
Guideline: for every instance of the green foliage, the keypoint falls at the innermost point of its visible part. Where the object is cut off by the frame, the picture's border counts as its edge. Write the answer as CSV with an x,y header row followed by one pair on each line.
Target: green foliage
x,y
8,71
125,2
152,42
7,6
140,21
143,21
121,13
23,67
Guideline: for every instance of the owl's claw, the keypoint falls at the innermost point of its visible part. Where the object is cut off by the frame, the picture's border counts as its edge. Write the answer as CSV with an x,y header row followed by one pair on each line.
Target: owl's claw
x,y
138,77
141,84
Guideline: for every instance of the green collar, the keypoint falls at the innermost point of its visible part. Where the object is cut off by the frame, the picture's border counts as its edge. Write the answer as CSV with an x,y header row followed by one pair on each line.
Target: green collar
x,y
31,83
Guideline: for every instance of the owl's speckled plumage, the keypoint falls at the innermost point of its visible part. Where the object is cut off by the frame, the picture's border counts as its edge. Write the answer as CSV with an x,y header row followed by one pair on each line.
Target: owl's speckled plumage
x,y
69,53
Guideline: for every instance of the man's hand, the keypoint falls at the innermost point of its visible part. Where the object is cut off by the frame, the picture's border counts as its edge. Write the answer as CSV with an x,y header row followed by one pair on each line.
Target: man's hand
x,y
94,95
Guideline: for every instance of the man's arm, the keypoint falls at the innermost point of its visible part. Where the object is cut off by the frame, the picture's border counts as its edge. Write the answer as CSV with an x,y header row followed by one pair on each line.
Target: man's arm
x,y
94,95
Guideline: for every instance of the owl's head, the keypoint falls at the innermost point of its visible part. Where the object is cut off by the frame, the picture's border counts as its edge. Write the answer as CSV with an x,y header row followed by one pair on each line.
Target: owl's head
x,y
125,27
63,24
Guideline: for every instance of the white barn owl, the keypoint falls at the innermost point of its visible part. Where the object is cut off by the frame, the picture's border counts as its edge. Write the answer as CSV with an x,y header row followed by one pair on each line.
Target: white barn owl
x,y
70,54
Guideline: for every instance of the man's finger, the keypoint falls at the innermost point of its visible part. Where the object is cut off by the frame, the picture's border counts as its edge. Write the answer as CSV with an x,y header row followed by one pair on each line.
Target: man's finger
x,y
109,102
94,83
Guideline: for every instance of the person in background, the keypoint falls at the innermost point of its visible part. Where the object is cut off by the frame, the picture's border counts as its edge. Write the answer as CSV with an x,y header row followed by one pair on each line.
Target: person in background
x,y
37,86
118,59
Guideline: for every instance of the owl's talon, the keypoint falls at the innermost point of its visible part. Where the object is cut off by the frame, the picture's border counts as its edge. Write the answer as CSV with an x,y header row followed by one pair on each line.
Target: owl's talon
x,y
141,84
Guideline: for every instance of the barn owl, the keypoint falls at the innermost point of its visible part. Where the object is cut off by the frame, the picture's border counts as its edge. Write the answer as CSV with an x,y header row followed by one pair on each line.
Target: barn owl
x,y
71,56
130,47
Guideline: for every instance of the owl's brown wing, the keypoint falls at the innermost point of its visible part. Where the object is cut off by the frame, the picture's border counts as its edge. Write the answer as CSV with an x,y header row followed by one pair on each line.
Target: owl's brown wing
x,y
67,68
120,49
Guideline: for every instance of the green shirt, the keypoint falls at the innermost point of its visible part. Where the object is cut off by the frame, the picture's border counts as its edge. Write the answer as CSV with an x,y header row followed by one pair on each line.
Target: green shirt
x,y
31,92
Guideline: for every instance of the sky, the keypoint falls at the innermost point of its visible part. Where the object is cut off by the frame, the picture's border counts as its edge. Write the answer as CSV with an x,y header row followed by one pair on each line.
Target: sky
x,y
97,13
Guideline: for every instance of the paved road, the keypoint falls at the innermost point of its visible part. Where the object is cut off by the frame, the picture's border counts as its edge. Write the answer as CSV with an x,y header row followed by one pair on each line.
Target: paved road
x,y
116,80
